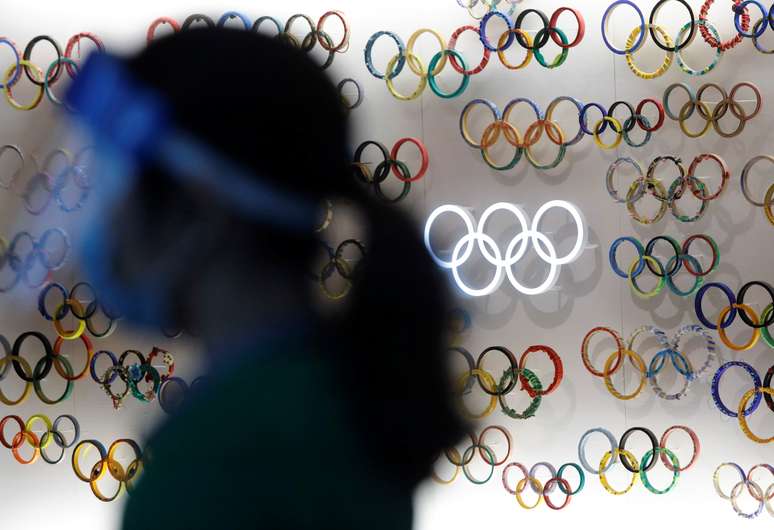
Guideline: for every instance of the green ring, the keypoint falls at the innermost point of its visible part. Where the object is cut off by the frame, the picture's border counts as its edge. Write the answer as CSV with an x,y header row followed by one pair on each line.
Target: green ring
x,y
767,338
431,76
510,165
698,281
533,380
68,388
675,473
559,59
581,474
491,463
554,163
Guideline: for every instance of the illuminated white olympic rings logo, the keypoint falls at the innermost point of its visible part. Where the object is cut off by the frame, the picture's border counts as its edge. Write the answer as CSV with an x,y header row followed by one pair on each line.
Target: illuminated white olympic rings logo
x,y
529,235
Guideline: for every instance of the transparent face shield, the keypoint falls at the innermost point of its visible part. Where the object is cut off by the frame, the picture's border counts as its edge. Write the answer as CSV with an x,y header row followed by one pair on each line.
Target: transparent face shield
x,y
112,129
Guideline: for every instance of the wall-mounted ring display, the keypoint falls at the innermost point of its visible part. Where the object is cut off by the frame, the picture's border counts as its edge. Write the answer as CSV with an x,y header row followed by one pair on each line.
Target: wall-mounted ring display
x,y
108,467
529,236
750,401
665,268
759,324
648,372
647,184
768,199
390,164
41,444
516,374
129,377
339,265
32,260
638,468
556,482
763,495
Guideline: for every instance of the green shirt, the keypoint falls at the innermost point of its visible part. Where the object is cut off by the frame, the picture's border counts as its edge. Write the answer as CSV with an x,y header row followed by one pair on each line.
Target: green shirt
x,y
268,445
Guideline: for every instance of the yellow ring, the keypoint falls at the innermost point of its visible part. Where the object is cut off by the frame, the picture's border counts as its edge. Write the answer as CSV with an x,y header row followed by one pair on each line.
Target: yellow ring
x,y
486,142
78,331
420,70
439,480
501,50
661,279
616,127
488,380
603,464
743,421
661,70
767,204
46,421
633,209
684,116
9,95
722,332
27,386
391,85
638,363
522,485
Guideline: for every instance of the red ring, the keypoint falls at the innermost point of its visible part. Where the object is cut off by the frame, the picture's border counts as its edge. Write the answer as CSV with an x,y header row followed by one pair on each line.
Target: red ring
x,y
712,41
159,21
344,40
661,114
581,27
696,447
585,345
558,370
546,488
3,439
422,151
453,60
75,39
725,175
481,450
58,365
687,262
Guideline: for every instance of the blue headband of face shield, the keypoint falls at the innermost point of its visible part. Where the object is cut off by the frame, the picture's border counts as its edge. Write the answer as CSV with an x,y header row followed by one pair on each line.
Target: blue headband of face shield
x,y
130,127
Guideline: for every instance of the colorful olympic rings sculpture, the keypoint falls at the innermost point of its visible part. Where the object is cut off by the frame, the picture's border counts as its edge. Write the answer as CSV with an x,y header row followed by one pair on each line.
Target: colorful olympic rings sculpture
x,y
338,264
529,236
82,303
763,496
40,444
768,200
737,307
750,400
315,35
42,183
726,102
390,164
543,489
638,468
132,375
760,26
670,348
477,446
32,260
497,391
488,5
108,466
648,184
665,272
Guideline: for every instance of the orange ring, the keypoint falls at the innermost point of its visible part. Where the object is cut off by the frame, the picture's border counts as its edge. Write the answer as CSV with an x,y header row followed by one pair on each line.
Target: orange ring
x,y
722,332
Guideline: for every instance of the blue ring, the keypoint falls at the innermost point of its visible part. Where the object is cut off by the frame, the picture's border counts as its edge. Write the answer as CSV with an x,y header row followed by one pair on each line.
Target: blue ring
x,y
614,261
740,9
538,113
76,429
582,118
16,75
234,14
44,294
482,31
731,301
609,10
369,50
716,389
93,366
697,282
582,450
771,17
674,356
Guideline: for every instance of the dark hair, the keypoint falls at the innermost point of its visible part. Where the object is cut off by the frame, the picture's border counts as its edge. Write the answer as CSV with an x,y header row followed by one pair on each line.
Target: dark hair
x,y
268,107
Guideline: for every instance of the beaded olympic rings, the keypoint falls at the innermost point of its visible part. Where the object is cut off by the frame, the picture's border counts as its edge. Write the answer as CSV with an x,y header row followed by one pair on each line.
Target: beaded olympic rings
x,y
763,496
543,489
26,255
497,391
750,400
665,273
390,164
737,307
670,348
647,184
638,468
727,102
477,446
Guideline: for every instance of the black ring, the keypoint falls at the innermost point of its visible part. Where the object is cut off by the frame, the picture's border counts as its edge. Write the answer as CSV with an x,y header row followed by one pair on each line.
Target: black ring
x,y
92,306
654,35
198,18
357,168
632,113
471,365
514,368
28,54
767,383
740,300
678,253
48,359
653,455
123,375
380,175
340,251
57,443
538,43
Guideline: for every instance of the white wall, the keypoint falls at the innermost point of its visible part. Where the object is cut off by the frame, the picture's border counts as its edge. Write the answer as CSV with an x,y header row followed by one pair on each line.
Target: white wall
x,y
590,293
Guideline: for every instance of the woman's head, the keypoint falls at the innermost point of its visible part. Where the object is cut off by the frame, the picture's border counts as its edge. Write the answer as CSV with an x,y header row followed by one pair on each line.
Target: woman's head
x,y
268,108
